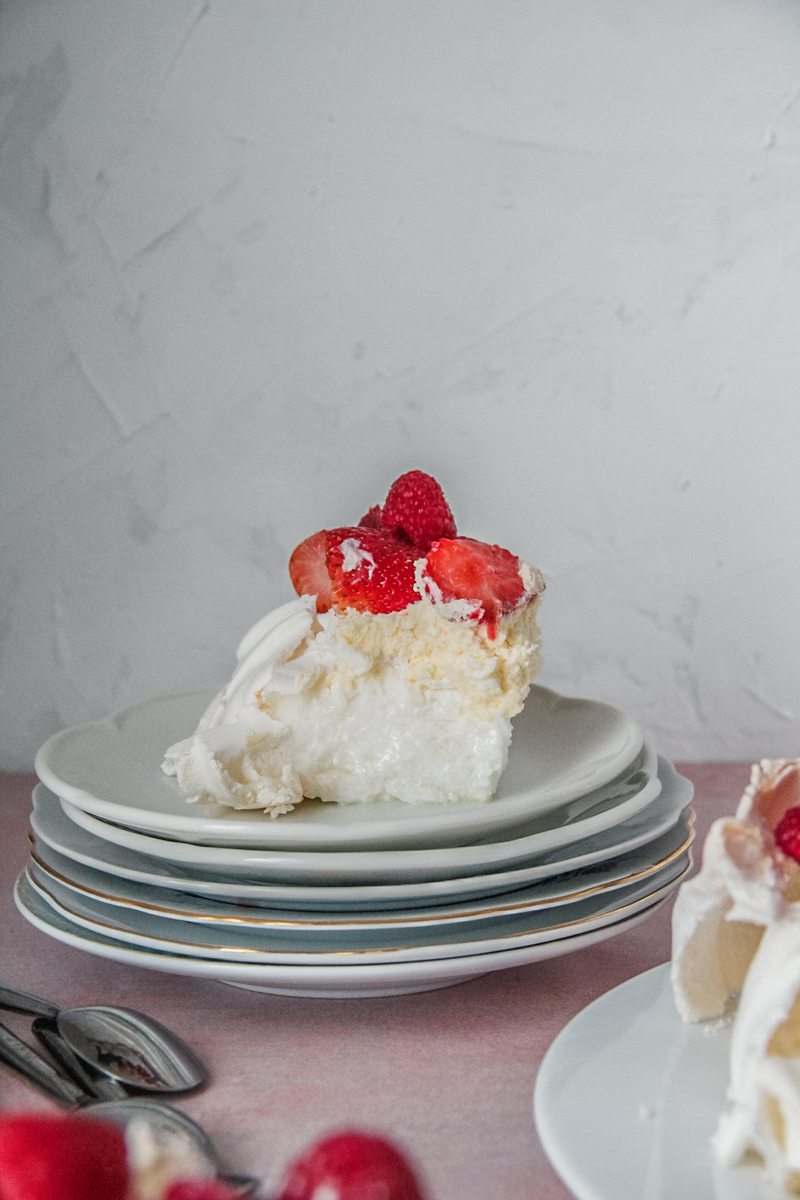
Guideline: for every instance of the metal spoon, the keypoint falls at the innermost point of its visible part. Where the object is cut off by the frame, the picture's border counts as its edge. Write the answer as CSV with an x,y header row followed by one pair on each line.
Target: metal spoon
x,y
92,1082
18,1054
121,1043
170,1122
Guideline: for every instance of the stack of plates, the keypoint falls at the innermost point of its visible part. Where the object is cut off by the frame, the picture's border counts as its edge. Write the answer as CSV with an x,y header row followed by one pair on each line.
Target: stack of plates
x,y
589,833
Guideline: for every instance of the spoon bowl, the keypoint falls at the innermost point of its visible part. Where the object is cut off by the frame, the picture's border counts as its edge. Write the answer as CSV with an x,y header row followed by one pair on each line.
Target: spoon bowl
x,y
120,1043
132,1048
168,1124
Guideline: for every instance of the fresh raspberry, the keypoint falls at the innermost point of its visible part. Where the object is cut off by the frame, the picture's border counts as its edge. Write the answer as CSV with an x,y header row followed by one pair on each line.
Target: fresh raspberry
x,y
45,1157
308,572
787,833
370,571
351,1166
372,518
416,507
199,1189
464,569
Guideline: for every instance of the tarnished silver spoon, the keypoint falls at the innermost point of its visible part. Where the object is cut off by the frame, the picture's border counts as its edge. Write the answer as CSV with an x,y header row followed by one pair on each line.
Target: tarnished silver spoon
x,y
165,1119
121,1043
170,1122
103,1087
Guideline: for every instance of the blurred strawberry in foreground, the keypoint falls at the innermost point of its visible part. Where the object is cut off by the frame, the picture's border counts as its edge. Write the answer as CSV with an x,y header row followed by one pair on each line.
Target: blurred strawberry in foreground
x,y
351,1166
200,1189
44,1157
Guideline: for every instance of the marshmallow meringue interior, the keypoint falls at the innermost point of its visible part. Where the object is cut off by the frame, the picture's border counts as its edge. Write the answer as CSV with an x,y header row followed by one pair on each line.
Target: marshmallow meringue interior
x,y
354,707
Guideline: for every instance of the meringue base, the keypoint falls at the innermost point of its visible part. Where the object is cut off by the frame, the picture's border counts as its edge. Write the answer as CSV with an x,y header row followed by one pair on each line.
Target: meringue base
x,y
356,707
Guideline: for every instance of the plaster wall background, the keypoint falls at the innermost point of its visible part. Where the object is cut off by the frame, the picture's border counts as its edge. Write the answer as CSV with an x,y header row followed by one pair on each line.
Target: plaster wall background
x,y
260,256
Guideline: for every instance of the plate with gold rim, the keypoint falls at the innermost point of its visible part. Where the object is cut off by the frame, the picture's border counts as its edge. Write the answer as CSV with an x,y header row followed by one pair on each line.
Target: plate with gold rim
x,y
561,890
351,981
581,818
53,828
299,945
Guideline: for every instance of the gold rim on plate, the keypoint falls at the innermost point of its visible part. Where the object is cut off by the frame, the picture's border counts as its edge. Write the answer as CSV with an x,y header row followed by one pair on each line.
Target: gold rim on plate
x,y
321,923
189,949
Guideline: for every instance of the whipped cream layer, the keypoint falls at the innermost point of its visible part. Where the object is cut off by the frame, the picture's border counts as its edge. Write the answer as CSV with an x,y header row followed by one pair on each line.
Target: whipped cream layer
x,y
352,706
720,916
745,884
762,1111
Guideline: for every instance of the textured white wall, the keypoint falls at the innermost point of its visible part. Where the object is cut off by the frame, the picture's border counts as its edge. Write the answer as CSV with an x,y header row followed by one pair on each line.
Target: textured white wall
x,y
260,256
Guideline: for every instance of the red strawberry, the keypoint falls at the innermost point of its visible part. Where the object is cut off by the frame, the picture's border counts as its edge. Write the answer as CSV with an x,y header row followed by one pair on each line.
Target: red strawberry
x,y
468,570
200,1189
308,571
351,1166
416,507
371,518
45,1157
370,571
787,833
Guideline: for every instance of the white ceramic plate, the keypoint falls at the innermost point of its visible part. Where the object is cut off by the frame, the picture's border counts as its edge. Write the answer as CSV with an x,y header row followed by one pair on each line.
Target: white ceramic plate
x,y
562,748
54,829
339,982
573,822
560,890
627,1099
301,946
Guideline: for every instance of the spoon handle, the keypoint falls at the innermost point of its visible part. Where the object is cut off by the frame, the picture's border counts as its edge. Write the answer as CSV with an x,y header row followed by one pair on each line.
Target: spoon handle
x,y
26,1002
23,1058
101,1087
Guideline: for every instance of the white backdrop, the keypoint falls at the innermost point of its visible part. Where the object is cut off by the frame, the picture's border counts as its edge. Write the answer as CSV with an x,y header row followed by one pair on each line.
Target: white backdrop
x,y
261,256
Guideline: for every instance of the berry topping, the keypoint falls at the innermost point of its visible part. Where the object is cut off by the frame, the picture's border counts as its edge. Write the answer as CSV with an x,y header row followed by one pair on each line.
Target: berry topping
x,y
200,1189
351,1166
416,508
464,569
372,518
308,572
370,571
370,567
787,833
45,1157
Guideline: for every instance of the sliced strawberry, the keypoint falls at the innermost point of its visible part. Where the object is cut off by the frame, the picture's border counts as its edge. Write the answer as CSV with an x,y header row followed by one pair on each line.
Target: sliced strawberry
x,y
464,569
45,1157
351,1166
308,572
416,508
370,571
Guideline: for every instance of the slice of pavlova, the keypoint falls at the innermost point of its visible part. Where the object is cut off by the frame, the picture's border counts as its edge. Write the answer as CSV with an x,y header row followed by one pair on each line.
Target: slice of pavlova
x,y
395,674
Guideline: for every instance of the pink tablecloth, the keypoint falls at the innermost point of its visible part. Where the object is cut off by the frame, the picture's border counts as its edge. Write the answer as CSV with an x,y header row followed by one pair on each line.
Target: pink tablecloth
x,y
448,1074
